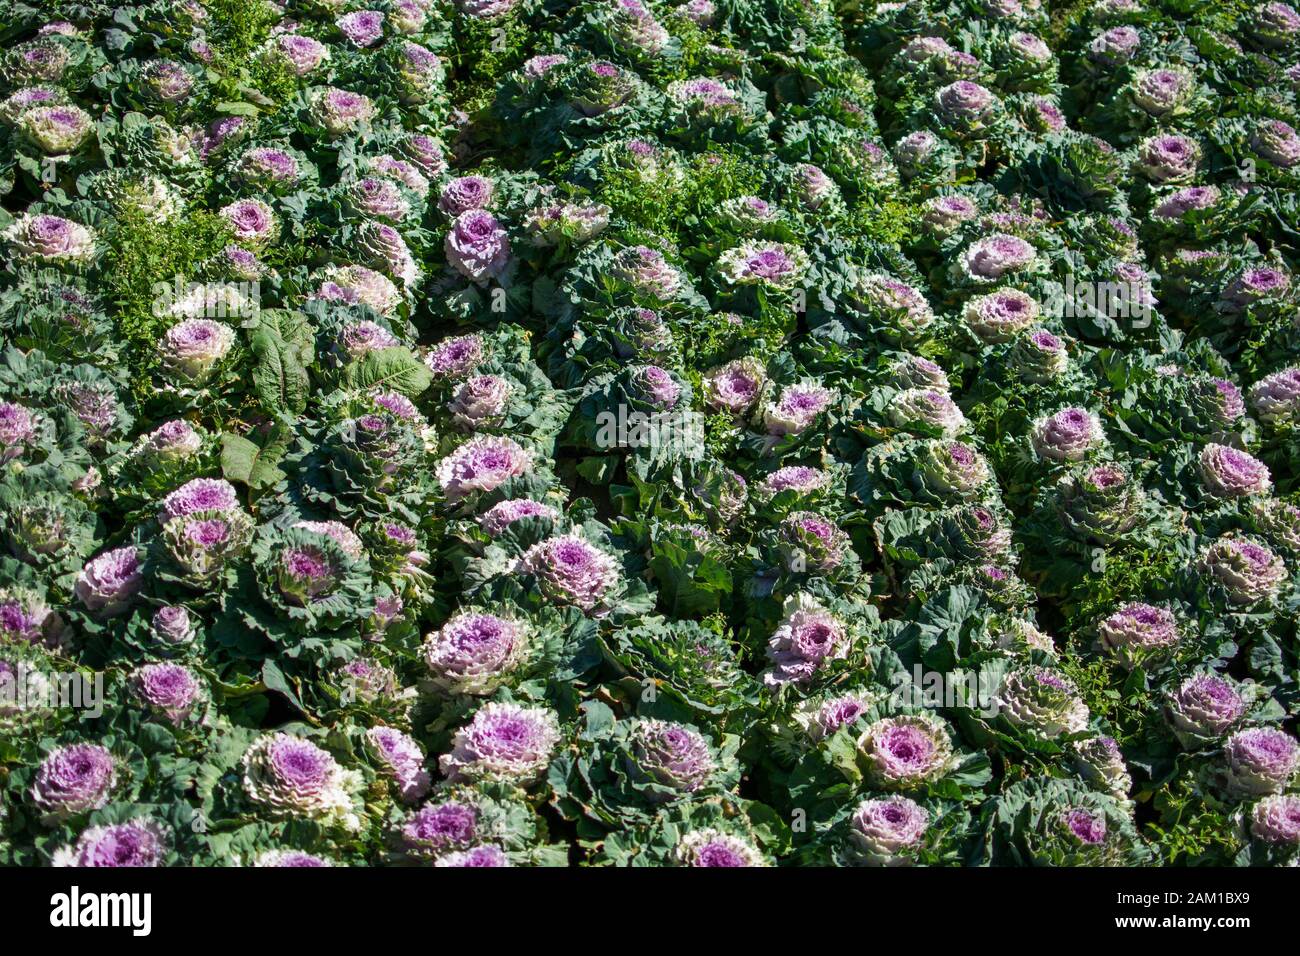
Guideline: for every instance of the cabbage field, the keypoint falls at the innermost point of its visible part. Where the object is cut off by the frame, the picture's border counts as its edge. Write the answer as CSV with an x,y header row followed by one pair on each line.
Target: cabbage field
x,y
648,433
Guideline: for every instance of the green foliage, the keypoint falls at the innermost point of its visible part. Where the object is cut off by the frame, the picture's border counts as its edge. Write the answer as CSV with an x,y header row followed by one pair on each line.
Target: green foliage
x,y
255,465
393,368
1119,698
1125,576
647,209
712,177
485,51
236,30
283,346
238,27
695,41
711,339
894,220
1064,16
1192,831
146,255
718,175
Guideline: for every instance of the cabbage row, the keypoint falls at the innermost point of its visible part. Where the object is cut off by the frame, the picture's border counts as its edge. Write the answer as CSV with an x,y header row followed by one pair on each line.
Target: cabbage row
x,y
641,433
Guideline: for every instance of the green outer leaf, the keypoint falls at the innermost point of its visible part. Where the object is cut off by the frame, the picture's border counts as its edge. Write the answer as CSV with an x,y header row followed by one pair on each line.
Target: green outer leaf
x,y
282,345
395,368
257,466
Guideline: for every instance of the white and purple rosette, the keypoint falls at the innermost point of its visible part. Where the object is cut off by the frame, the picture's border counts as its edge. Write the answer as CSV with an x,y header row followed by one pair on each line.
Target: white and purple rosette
x,y
505,513
965,103
360,339
811,543
503,742
49,239
807,639
1138,627
173,625
358,285
569,569
340,112
373,198
796,408
362,28
300,54
291,859
1000,316
1115,46
837,712
648,273
1168,159
1260,761
74,779
1253,286
907,751
438,828
1068,435
56,130
1277,142
671,755
774,265
736,386
1084,827
1193,199
479,856
716,848
1229,472
455,357
192,349
914,371
290,777
1246,571
474,652
800,479
199,494
251,221
481,464
480,401
109,582
930,407
466,194
954,469
268,166
1162,90
1100,761
887,831
1204,707
138,843
1276,820
996,257
656,386
1276,397
945,214
403,759
476,246
1042,701
18,430
170,690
